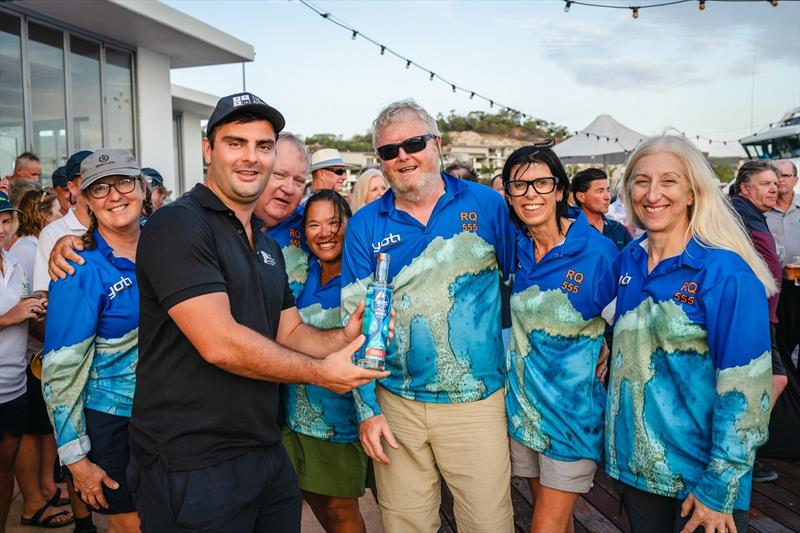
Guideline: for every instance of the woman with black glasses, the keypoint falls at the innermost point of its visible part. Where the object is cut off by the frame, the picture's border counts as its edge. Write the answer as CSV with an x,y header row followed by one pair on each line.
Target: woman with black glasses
x,y
554,397
91,334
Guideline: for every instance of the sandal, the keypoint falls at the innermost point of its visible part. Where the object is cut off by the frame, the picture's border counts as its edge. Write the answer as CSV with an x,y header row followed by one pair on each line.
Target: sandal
x,y
47,522
57,500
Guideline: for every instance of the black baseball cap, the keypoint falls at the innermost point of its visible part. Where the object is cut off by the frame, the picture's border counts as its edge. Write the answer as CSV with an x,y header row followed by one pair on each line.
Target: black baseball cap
x,y
245,102
153,176
59,177
73,166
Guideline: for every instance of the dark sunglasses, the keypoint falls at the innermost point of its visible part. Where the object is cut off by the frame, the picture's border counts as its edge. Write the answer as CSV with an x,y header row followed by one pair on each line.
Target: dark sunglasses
x,y
337,171
412,145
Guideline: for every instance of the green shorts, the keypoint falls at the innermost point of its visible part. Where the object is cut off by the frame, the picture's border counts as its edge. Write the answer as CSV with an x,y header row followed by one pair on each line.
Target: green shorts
x,y
327,468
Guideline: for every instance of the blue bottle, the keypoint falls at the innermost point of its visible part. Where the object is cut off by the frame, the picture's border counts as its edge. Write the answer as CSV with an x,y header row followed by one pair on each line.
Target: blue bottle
x,y
372,354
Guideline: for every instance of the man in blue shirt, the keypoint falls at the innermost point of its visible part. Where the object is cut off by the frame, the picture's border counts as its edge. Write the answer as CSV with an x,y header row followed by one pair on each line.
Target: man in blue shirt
x,y
279,206
441,408
592,194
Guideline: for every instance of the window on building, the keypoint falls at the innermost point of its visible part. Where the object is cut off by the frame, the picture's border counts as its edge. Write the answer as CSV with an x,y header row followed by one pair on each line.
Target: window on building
x,y
60,92
12,126
119,99
48,106
87,119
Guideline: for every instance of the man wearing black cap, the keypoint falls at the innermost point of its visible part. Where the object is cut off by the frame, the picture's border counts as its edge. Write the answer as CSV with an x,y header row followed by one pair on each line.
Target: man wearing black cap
x,y
159,193
74,222
59,179
218,332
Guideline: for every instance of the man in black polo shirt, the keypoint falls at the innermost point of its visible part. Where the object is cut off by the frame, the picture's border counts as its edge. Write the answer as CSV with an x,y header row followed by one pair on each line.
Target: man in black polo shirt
x,y
218,332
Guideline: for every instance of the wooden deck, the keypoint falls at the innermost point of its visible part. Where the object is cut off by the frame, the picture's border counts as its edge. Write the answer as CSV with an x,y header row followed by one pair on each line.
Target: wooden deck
x,y
775,506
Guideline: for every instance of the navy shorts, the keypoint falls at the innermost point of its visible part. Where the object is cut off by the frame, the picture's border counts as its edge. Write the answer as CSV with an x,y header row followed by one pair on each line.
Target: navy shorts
x,y
36,420
12,416
253,492
111,452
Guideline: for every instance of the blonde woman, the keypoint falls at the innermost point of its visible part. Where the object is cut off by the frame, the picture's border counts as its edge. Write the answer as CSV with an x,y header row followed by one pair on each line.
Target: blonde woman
x,y
370,186
688,396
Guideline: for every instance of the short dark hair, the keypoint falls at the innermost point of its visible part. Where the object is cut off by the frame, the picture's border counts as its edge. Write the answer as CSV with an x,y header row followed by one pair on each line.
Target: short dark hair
x,y
469,172
582,180
341,208
242,117
749,168
525,157
25,156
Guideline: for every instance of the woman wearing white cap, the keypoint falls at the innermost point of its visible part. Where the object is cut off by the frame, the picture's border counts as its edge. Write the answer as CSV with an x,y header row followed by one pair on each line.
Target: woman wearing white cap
x,y
90,351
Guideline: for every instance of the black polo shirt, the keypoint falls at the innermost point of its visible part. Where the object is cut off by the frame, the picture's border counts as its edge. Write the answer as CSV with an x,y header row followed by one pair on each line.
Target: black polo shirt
x,y
188,413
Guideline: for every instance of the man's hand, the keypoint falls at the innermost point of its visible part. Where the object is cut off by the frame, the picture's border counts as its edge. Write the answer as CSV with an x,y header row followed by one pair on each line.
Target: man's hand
x,y
370,432
63,251
355,323
710,520
339,374
27,309
88,479
602,362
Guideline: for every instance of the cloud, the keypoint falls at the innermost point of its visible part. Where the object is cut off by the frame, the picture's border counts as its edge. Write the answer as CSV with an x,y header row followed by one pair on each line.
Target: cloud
x,y
671,47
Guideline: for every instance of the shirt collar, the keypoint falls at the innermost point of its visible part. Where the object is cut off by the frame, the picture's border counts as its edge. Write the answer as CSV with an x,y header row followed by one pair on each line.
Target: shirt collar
x,y
72,221
207,199
453,187
693,256
577,235
122,263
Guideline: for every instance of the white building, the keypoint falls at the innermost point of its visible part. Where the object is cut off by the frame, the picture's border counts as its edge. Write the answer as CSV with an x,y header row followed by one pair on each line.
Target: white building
x,y
85,74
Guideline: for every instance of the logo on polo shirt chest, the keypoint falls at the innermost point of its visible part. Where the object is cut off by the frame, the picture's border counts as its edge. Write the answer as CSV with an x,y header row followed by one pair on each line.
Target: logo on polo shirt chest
x,y
624,279
469,221
572,281
387,242
118,287
686,294
267,258
295,238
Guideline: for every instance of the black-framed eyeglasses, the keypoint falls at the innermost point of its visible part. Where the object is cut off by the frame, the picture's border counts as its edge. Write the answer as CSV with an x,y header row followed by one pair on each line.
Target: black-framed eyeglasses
x,y
122,186
337,171
412,145
540,185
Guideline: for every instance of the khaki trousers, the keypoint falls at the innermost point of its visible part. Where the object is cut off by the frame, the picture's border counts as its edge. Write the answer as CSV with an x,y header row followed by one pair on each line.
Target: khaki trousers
x,y
467,443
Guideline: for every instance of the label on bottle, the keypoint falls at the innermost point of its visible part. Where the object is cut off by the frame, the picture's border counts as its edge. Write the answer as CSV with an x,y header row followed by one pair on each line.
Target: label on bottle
x,y
376,324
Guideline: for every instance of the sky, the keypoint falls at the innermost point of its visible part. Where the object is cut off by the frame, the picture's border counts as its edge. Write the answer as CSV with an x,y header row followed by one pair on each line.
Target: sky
x,y
724,72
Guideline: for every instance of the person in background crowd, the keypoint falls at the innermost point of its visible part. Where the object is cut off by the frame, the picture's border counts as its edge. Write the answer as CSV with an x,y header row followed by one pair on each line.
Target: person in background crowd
x,y
33,467
370,186
159,194
784,223
75,222
17,308
461,171
213,424
450,242
90,351
279,206
328,171
756,191
497,184
49,207
4,181
59,179
592,195
554,397
27,167
16,190
688,394
321,437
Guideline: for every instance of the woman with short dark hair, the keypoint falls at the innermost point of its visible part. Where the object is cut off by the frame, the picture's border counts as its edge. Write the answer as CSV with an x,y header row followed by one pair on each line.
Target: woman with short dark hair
x,y
554,397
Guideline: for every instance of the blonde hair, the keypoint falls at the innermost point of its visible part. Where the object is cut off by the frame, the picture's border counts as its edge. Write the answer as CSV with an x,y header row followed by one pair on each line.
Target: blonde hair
x,y
712,220
361,189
